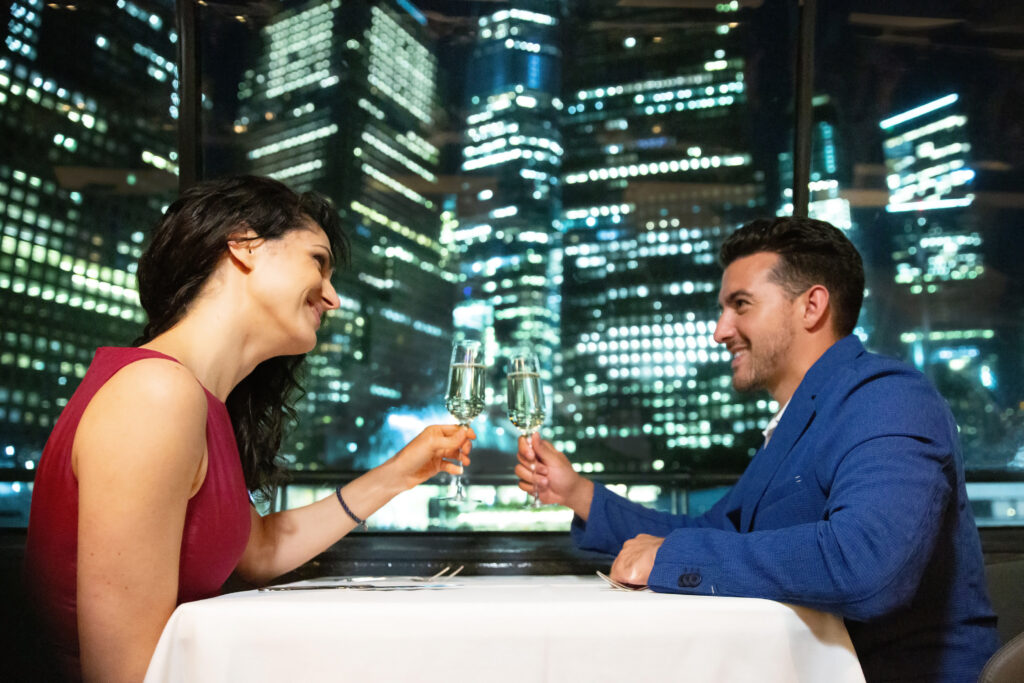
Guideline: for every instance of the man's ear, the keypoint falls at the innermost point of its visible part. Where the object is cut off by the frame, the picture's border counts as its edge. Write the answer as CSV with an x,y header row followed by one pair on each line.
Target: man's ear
x,y
242,245
816,307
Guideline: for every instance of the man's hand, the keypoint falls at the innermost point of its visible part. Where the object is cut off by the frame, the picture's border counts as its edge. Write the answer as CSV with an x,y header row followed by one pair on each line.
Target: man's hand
x,y
544,466
636,559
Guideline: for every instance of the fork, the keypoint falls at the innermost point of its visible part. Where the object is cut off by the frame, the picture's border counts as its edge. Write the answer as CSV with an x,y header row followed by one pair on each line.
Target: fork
x,y
441,574
618,585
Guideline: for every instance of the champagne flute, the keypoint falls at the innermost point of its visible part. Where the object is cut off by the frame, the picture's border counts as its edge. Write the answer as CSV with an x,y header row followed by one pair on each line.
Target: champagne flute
x,y
525,402
465,396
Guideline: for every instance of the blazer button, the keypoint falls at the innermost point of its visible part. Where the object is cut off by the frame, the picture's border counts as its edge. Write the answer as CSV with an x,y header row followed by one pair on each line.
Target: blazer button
x,y
689,580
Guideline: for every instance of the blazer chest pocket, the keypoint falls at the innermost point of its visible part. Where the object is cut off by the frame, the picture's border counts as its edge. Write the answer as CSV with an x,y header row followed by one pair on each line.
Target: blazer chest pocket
x,y
796,501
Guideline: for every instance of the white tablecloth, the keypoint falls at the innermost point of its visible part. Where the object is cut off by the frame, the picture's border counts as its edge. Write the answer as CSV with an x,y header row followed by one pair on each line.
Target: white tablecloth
x,y
518,629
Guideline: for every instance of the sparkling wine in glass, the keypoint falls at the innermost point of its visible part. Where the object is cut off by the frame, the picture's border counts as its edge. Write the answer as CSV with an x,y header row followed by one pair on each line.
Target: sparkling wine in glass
x,y
525,401
465,396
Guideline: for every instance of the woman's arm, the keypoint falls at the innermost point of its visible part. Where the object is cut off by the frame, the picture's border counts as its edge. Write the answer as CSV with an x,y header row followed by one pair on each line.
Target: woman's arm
x,y
282,541
139,454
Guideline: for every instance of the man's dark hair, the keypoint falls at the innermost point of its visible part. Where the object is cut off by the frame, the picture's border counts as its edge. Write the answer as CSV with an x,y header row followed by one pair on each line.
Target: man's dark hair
x,y
811,252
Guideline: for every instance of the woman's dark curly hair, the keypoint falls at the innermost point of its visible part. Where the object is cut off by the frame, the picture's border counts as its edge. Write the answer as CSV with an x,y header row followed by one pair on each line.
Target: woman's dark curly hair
x,y
185,247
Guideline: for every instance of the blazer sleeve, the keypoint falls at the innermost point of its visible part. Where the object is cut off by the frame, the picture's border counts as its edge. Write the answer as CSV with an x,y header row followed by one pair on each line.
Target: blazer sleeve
x,y
613,520
864,558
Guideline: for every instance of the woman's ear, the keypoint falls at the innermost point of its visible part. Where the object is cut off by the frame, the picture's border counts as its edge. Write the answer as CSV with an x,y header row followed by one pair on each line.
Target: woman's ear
x,y
242,246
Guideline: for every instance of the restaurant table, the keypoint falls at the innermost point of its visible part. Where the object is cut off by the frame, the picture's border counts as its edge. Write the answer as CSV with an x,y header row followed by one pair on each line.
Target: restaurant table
x,y
498,628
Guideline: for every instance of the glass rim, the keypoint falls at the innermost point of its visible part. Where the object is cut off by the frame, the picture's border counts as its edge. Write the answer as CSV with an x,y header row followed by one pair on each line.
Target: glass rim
x,y
468,341
523,360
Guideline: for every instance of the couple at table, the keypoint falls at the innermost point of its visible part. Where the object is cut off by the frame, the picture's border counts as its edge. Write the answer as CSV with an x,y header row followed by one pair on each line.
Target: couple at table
x,y
855,505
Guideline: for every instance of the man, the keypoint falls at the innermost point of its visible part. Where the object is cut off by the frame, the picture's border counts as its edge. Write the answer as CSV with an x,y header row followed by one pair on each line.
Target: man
x,y
856,503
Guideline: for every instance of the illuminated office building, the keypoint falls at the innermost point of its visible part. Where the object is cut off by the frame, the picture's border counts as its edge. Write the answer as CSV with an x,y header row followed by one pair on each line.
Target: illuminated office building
x,y
828,189
87,166
342,100
657,171
945,312
935,249
827,177
507,237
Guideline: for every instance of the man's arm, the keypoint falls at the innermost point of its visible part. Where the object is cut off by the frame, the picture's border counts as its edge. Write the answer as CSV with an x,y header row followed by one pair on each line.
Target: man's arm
x,y
613,520
604,520
863,559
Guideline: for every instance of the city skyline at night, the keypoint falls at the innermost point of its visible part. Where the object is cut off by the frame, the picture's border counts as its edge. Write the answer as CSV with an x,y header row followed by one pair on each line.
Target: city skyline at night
x,y
658,172
938,254
547,174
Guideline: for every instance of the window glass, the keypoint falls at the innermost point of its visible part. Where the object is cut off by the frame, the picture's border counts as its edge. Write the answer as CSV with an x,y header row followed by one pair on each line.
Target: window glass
x,y
544,175
88,122
541,174
917,146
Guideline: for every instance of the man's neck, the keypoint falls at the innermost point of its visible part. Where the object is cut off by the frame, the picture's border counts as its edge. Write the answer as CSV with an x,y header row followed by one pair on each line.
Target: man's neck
x,y
805,354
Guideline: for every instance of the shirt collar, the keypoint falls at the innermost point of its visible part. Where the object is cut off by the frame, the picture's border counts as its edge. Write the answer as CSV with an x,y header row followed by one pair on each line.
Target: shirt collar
x,y
773,423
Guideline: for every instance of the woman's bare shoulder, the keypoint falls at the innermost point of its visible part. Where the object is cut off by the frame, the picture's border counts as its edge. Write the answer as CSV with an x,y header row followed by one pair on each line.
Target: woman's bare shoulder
x,y
158,380
153,409
154,387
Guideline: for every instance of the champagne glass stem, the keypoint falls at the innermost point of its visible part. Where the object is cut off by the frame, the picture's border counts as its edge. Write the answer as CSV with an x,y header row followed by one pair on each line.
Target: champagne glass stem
x,y
536,490
459,493
536,487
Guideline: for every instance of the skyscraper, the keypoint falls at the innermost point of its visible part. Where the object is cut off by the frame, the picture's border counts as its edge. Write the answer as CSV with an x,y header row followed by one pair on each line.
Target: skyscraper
x,y
507,238
342,100
88,140
657,172
88,162
941,280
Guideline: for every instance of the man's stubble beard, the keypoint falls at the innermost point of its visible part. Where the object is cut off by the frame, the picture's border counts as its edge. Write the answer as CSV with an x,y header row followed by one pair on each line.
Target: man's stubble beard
x,y
764,363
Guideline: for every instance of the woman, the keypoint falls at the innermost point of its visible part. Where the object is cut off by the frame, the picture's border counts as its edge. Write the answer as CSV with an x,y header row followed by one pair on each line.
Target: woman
x,y
141,500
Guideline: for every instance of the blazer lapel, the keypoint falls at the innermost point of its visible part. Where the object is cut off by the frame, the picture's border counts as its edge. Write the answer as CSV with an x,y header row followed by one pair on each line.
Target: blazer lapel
x,y
795,421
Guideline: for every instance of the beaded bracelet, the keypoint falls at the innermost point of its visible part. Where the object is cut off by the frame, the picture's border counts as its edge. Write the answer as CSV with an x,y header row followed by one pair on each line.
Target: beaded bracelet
x,y
361,523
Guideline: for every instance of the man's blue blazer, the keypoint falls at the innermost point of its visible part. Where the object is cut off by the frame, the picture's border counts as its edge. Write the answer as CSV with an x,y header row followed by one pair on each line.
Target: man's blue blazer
x,y
856,506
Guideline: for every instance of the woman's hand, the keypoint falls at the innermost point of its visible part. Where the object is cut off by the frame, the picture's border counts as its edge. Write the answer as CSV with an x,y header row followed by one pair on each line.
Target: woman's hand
x,y
545,466
428,453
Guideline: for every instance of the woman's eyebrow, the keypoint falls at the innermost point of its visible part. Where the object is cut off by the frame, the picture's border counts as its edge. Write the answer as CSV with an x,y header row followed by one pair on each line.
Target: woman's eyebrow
x,y
326,248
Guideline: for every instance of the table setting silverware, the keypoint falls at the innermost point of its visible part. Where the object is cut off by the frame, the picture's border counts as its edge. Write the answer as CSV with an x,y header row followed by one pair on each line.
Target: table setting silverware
x,y
618,585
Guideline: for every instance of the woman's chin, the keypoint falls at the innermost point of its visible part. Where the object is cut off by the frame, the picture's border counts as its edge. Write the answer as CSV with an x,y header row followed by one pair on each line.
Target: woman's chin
x,y
298,346
307,347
